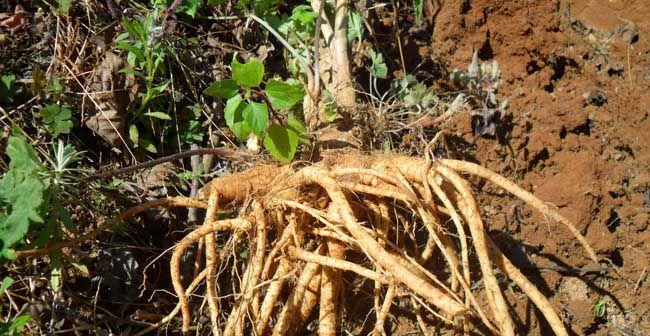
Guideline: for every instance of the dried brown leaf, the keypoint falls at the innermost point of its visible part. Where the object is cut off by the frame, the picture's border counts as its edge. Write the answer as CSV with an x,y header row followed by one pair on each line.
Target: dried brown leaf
x,y
111,91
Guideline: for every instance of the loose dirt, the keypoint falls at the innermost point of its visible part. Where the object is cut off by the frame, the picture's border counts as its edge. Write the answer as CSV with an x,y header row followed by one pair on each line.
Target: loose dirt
x,y
588,157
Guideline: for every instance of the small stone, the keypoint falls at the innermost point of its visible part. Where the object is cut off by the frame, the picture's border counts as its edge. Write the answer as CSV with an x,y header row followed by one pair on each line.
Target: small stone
x,y
595,98
630,33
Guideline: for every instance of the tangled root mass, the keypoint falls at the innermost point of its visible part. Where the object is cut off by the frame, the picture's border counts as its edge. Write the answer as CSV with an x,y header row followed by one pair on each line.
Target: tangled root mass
x,y
378,222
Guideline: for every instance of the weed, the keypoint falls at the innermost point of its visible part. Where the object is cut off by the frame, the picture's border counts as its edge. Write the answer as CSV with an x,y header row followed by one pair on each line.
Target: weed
x,y
249,119
57,119
30,195
600,308
482,83
377,69
413,93
146,56
7,89
15,326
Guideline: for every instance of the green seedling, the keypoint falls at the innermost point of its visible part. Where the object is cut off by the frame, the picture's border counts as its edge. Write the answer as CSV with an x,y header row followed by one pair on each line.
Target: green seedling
x,y
248,108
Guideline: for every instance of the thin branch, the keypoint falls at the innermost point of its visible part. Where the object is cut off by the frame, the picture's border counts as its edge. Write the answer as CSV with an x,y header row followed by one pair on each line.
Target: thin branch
x,y
315,89
284,42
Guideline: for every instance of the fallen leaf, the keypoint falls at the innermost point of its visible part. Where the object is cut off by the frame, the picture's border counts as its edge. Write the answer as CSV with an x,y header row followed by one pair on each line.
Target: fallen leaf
x,y
110,90
15,21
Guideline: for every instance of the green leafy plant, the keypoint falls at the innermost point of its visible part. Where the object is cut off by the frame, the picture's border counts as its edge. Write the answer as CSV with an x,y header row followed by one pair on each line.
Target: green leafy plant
x,y
248,106
298,30
145,54
600,307
6,283
15,326
61,171
21,194
188,176
263,8
7,89
413,93
147,51
57,119
418,5
190,125
63,6
377,69
30,195
189,7
355,26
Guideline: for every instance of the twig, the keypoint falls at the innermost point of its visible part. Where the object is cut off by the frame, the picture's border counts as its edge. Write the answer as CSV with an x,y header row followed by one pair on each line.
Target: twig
x,y
284,42
177,156
638,282
195,162
562,269
315,85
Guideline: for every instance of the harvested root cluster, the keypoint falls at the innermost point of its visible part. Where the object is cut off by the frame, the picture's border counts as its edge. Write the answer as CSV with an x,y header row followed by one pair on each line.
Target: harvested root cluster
x,y
310,230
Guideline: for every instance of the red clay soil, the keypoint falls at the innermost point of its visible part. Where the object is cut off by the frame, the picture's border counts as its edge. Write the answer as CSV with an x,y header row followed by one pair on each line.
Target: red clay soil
x,y
578,87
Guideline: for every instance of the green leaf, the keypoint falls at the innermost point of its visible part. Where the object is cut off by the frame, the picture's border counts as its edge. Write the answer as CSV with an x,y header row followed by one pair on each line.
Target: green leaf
x,y
190,125
7,89
378,68
6,283
131,59
355,26
63,215
283,95
56,274
134,29
57,119
248,74
302,22
281,143
139,54
148,145
256,116
134,134
297,127
64,6
189,7
55,87
234,115
25,201
156,90
46,232
22,192
23,156
303,15
159,115
224,89
244,254
15,327
128,70
419,6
